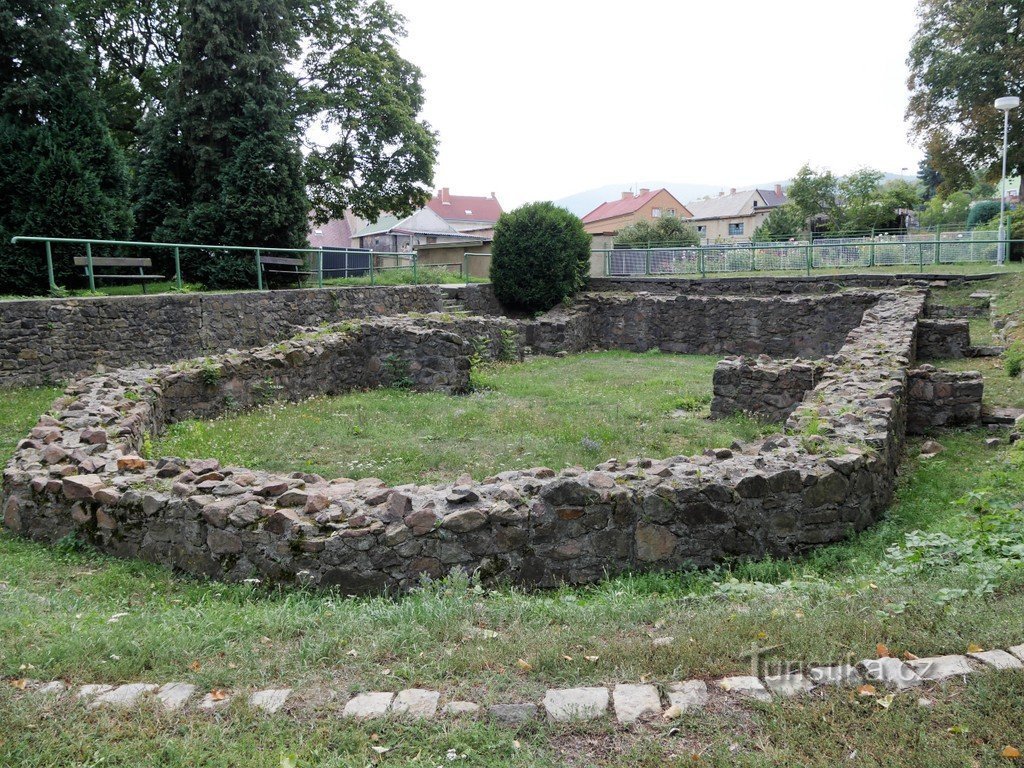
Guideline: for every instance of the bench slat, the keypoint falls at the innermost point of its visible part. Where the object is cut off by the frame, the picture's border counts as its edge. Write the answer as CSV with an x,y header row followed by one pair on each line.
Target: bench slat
x,y
280,260
112,261
286,272
132,277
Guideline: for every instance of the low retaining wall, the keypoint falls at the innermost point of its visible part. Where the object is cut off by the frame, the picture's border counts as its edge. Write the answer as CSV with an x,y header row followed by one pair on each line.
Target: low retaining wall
x,y
767,389
790,326
79,472
943,339
47,340
943,399
774,285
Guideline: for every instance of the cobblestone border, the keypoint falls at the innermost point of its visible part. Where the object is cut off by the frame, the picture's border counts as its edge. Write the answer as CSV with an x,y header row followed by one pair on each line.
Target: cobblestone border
x,y
629,703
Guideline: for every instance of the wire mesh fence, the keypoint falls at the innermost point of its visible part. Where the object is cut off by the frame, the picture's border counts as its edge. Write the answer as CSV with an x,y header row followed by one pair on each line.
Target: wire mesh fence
x,y
889,250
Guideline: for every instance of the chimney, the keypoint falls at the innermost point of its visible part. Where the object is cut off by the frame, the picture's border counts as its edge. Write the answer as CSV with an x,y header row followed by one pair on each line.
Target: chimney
x,y
493,196
627,195
644,190
732,190
445,196
778,189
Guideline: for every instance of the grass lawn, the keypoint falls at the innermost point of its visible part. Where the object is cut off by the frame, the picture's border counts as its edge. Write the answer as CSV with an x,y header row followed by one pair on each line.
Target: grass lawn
x,y
554,412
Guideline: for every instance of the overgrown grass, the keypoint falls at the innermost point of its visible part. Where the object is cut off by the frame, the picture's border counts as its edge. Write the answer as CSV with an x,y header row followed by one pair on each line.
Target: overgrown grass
x,y
1000,388
404,276
19,411
556,412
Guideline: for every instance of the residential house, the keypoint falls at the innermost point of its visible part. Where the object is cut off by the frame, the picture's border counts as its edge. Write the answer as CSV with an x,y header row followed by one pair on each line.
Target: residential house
x,y
336,233
610,218
467,213
392,234
735,216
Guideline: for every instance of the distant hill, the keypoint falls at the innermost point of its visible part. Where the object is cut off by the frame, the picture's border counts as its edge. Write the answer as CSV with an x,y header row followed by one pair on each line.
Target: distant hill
x,y
584,202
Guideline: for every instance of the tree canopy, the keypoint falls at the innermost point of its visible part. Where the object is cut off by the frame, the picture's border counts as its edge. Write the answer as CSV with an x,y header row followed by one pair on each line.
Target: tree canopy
x,y
963,55
63,173
668,231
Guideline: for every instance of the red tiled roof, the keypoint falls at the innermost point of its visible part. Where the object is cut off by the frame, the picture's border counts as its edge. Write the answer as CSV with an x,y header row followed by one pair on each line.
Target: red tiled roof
x,y
621,207
465,207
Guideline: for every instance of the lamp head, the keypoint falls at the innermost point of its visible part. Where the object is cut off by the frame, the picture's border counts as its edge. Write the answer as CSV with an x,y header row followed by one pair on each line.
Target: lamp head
x,y
1006,103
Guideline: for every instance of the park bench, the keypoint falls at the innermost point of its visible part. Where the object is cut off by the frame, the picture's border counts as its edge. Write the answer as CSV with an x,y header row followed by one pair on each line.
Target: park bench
x,y
282,265
117,261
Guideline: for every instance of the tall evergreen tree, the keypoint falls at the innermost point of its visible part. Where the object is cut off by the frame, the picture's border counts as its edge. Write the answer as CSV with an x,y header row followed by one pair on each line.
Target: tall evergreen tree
x,y
62,172
222,164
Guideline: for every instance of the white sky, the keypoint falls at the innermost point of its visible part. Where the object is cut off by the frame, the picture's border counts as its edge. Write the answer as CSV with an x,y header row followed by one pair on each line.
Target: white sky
x,y
539,99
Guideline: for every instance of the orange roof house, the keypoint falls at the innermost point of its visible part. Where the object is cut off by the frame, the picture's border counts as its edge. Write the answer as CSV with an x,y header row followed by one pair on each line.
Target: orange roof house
x,y
649,205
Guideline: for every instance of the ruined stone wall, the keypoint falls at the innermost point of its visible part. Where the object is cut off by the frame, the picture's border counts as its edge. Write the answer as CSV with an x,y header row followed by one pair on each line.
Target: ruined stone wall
x,y
791,326
943,339
764,388
47,340
943,399
79,472
773,285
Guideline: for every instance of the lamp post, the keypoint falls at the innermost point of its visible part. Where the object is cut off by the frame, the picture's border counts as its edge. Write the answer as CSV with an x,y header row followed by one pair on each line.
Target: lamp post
x,y
1005,104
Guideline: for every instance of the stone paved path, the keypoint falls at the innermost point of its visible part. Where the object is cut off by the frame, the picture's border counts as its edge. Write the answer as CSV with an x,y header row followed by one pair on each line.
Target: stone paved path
x,y
629,703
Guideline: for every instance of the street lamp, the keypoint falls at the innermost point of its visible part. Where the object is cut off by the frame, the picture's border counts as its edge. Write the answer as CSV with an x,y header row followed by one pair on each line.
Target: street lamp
x,y
1004,103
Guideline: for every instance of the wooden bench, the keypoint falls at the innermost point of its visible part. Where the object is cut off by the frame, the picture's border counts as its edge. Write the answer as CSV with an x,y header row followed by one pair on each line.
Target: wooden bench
x,y
268,262
117,261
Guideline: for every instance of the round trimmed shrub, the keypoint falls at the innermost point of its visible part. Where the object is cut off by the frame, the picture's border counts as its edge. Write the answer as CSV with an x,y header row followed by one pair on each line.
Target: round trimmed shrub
x,y
540,256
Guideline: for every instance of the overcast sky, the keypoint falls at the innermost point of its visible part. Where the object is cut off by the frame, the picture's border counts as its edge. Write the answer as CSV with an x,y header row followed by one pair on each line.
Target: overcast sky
x,y
538,99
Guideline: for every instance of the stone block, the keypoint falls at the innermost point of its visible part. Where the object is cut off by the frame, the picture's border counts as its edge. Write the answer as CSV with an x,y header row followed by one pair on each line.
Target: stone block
x,y
368,705
938,668
270,701
633,702
891,672
998,659
567,704
416,702
174,696
747,686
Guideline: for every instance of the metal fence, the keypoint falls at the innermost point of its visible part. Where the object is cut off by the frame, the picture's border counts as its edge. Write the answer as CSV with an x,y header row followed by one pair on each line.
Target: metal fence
x,y
317,264
911,250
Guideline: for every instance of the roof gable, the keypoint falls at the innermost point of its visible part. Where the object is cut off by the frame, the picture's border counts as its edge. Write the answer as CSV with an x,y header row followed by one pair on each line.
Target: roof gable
x,y
627,205
465,207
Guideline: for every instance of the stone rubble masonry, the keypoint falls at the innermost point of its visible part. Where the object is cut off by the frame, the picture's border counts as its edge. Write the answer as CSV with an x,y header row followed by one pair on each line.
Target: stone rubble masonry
x,y
48,340
79,470
765,388
943,399
776,285
943,339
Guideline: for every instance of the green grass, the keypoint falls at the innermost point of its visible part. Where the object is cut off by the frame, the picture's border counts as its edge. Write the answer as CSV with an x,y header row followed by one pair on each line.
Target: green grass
x,y
20,409
404,276
556,412
1000,389
1007,303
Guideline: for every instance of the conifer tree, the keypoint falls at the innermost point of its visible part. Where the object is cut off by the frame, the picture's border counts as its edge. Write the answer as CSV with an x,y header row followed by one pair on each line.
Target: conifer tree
x,y
62,173
222,164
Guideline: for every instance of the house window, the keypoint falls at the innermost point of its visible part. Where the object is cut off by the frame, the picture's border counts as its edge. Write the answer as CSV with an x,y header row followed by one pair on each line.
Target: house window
x,y
656,213
736,229
671,213
702,229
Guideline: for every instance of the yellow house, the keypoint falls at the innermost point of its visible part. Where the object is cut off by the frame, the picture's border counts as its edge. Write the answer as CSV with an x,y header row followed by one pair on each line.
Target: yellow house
x,y
608,219
735,216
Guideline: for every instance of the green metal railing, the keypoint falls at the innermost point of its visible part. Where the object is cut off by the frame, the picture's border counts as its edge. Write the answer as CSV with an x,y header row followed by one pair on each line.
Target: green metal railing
x,y
378,261
972,247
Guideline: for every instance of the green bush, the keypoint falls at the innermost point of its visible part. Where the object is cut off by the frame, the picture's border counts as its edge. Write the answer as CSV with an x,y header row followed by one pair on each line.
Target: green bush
x,y
982,212
1013,360
540,256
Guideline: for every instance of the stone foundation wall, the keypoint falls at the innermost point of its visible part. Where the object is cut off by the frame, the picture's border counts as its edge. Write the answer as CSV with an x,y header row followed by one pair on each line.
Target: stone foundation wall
x,y
943,339
943,399
47,340
792,326
773,285
764,388
79,472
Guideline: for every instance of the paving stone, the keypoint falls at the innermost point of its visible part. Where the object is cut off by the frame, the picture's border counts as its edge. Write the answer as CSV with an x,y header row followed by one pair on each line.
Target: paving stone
x,y
841,674
788,685
998,659
211,703
890,671
174,695
55,688
93,689
513,714
565,704
745,685
456,708
691,694
367,705
1018,651
939,668
416,702
124,695
270,700
635,701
